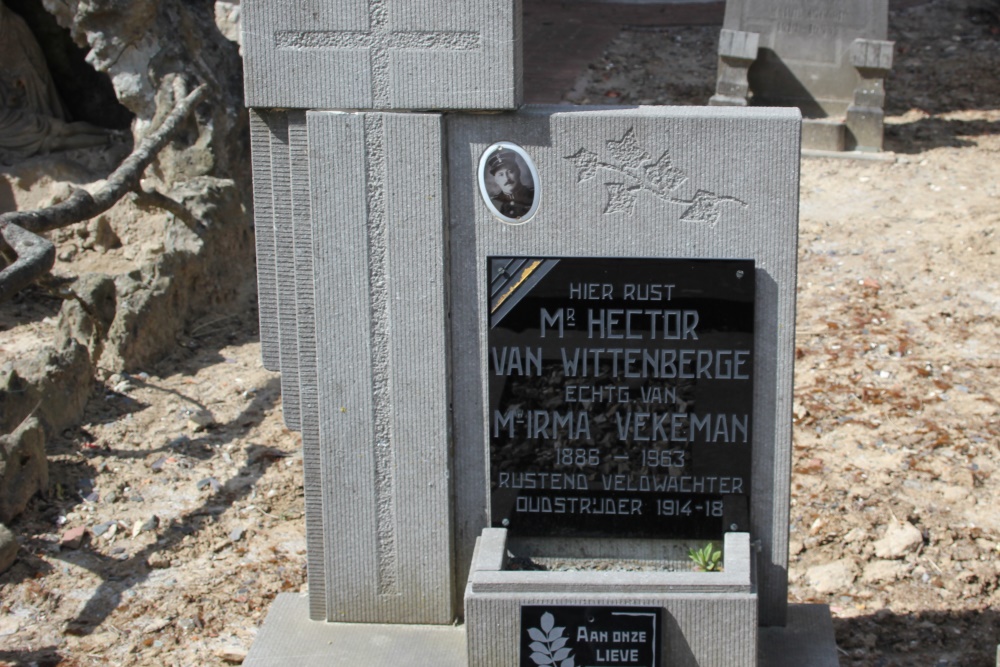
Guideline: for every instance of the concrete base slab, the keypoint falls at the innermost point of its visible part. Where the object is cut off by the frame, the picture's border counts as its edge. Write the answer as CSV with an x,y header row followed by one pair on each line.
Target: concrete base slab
x,y
823,135
850,155
807,640
288,637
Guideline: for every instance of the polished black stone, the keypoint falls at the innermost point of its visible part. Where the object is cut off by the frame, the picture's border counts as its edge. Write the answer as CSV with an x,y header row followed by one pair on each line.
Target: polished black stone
x,y
620,396
579,636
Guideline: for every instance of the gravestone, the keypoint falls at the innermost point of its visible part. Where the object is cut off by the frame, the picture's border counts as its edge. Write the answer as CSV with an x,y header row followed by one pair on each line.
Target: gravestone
x,y
382,54
424,276
828,58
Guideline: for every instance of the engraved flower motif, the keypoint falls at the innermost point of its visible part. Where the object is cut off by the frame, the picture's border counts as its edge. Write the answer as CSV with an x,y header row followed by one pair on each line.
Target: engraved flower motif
x,y
621,198
637,172
663,175
586,164
704,208
628,151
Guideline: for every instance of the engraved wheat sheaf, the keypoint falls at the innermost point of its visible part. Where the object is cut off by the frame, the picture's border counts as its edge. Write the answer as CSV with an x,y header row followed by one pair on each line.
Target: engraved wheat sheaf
x,y
631,170
548,645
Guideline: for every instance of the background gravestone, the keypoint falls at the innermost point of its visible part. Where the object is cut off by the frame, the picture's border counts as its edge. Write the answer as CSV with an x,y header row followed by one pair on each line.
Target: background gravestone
x,y
828,58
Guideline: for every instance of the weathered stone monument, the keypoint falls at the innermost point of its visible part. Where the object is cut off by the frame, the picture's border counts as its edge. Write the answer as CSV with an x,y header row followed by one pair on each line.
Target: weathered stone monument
x,y
535,355
828,58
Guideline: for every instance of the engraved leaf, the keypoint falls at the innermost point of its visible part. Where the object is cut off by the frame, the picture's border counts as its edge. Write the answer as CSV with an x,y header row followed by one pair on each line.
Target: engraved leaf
x,y
628,151
562,654
585,162
704,208
555,634
621,198
568,662
538,635
541,659
538,647
558,643
663,175
548,620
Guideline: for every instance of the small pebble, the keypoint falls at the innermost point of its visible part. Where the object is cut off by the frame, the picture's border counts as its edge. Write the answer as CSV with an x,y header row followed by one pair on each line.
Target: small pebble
x,y
158,562
102,528
209,482
232,654
237,534
73,538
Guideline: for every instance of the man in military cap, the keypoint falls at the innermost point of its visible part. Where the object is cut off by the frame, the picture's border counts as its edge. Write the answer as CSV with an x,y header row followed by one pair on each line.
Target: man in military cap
x,y
515,198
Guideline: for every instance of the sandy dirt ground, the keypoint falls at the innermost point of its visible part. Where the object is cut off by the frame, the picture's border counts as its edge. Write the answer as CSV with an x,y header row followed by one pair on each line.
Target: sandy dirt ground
x,y
189,488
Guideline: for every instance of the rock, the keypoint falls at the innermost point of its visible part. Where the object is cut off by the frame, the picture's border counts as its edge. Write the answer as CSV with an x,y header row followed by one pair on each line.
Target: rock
x,y
188,624
156,462
87,317
100,235
155,625
73,538
158,562
54,385
899,539
102,528
232,654
149,48
237,534
882,571
209,482
24,469
8,548
146,526
835,577
200,420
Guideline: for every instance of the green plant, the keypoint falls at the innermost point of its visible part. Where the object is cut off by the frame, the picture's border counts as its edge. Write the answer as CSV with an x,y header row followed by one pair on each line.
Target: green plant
x,y
707,559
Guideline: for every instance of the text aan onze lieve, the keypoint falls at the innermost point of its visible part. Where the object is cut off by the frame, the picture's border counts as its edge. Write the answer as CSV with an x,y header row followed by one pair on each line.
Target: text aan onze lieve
x,y
616,653
624,362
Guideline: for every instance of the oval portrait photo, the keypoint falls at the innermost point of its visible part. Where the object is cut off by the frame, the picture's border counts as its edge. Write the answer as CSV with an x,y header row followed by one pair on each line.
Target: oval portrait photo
x,y
508,182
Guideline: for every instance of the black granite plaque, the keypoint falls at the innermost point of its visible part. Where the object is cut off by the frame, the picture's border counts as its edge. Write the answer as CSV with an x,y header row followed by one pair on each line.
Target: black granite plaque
x,y
563,636
620,396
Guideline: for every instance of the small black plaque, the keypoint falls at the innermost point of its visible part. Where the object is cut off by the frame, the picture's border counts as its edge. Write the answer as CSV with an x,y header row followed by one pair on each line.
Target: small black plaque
x,y
564,636
620,395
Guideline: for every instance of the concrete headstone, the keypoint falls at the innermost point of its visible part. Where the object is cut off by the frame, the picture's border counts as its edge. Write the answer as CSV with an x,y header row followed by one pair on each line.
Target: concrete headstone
x,y
652,182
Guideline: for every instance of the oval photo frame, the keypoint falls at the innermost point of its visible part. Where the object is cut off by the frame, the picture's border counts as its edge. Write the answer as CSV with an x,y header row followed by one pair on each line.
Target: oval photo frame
x,y
508,183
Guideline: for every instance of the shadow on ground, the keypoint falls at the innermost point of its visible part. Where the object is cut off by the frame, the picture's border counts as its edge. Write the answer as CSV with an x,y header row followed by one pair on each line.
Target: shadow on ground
x,y
924,639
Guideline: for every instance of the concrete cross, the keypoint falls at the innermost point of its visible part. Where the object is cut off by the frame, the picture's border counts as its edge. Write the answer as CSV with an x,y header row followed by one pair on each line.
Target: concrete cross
x,y
378,40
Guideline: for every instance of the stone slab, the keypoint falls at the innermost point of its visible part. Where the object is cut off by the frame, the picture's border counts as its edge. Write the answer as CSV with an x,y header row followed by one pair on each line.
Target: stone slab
x,y
738,198
823,135
378,233
263,221
283,227
807,639
382,54
804,58
288,637
283,218
710,618
308,396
